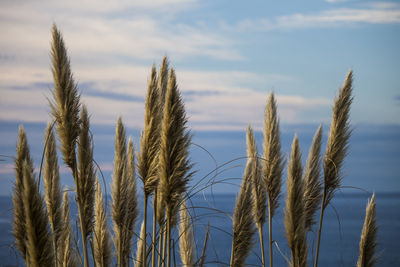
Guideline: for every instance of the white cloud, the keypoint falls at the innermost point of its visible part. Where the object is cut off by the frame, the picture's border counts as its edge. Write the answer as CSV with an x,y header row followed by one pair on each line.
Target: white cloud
x,y
373,13
107,42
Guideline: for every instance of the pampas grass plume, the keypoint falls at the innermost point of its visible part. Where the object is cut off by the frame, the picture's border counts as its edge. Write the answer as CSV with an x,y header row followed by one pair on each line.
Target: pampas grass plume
x,y
38,243
86,177
294,216
67,254
101,238
312,183
338,139
368,237
51,179
65,105
22,157
243,224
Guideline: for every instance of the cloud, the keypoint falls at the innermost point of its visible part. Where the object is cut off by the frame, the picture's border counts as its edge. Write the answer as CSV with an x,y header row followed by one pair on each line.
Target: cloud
x,y
373,13
111,46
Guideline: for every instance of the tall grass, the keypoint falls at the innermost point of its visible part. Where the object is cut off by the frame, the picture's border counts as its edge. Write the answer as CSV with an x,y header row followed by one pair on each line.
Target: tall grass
x,y
42,225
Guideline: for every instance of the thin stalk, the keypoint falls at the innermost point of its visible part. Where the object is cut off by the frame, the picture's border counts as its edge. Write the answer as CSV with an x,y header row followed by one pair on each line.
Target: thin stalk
x,y
321,217
164,246
146,197
120,253
84,241
260,232
161,246
153,260
168,237
270,233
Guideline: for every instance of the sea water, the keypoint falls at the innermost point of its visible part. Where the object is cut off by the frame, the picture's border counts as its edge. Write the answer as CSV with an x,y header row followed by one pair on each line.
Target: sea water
x,y
341,231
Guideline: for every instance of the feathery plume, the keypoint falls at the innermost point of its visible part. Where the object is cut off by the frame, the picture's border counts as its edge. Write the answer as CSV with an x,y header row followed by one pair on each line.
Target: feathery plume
x,y
273,160
186,238
23,155
65,106
132,204
312,183
51,178
294,216
102,246
67,252
336,149
150,137
162,83
38,243
174,153
120,195
368,237
243,226
86,175
259,192
273,163
150,143
338,139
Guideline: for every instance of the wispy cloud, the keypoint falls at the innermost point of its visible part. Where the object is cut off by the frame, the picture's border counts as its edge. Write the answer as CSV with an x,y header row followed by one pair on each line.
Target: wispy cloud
x,y
112,46
372,13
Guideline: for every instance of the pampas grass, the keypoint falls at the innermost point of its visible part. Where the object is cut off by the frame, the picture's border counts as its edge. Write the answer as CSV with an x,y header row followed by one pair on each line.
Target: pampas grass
x,y
243,224
19,218
174,155
149,144
101,239
258,188
336,149
38,243
46,238
67,254
368,237
312,183
85,189
273,163
120,192
294,218
132,203
65,105
51,179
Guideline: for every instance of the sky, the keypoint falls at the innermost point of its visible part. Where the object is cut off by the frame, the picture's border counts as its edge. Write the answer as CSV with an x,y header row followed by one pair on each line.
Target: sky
x,y
228,57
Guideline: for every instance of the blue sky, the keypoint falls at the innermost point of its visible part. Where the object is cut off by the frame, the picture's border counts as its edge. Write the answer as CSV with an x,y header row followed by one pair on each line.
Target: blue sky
x,y
228,56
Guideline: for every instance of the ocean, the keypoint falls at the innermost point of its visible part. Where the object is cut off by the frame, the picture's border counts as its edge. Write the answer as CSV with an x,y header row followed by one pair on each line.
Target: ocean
x,y
342,226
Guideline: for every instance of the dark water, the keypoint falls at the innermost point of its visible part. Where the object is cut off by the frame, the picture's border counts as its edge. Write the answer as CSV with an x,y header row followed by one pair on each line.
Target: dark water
x,y
339,245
